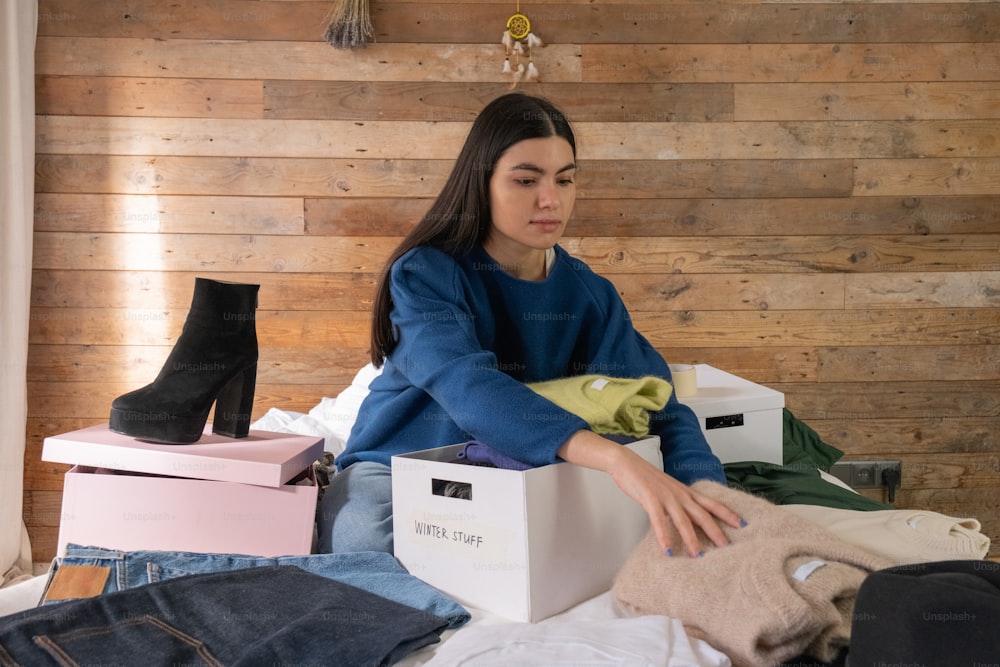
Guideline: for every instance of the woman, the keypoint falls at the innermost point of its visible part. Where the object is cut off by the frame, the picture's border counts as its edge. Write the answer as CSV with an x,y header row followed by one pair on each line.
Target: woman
x,y
477,302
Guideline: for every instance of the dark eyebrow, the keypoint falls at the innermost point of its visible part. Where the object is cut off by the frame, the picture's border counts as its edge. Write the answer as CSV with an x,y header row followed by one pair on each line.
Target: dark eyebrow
x,y
527,166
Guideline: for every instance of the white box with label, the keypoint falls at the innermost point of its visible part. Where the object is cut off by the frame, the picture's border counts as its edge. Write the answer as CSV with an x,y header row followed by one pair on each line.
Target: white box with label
x,y
742,420
526,544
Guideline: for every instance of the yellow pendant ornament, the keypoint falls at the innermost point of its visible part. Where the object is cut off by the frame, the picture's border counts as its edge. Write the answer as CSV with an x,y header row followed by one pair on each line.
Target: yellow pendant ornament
x,y
518,42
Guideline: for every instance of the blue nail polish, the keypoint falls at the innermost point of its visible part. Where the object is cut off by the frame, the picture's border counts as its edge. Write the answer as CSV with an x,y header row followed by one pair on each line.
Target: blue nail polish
x,y
743,523
670,552
700,554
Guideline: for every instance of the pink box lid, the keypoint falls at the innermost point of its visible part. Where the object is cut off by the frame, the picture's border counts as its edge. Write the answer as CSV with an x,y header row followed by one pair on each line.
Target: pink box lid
x,y
262,458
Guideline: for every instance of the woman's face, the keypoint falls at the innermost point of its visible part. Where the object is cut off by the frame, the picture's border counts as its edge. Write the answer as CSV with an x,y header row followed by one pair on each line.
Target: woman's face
x,y
532,192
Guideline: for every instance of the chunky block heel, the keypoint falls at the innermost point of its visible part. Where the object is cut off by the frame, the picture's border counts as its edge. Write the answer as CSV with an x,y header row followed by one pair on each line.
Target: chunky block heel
x,y
234,405
214,361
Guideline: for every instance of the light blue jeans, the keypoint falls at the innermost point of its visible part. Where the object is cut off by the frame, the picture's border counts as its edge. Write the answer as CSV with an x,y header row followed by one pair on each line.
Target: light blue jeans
x,y
376,572
355,513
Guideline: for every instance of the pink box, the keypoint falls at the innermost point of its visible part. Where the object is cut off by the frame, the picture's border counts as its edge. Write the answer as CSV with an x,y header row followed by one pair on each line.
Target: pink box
x,y
253,495
118,510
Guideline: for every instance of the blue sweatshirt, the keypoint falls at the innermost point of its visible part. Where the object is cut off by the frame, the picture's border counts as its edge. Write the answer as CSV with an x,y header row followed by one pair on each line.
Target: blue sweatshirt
x,y
471,336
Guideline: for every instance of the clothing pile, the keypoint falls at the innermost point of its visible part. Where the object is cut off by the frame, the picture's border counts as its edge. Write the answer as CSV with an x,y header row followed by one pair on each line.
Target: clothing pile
x,y
107,607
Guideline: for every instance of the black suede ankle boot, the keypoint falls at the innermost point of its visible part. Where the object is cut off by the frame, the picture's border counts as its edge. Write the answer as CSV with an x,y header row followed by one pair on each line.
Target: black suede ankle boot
x,y
213,361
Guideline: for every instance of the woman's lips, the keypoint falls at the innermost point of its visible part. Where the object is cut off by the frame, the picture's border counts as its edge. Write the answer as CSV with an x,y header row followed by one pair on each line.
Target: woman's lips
x,y
547,225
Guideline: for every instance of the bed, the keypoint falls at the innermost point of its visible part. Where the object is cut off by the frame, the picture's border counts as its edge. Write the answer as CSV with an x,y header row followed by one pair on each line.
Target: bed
x,y
602,630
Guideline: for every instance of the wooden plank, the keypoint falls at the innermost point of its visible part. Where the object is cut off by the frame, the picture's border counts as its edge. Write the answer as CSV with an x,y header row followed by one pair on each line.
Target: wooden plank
x,y
275,329
979,289
87,135
442,101
314,177
44,541
780,217
148,97
897,334
304,61
914,100
790,254
713,178
676,291
364,216
245,177
102,135
762,364
438,22
785,140
961,402
42,509
155,290
435,22
910,437
92,400
715,22
186,19
941,176
138,365
909,363
168,214
705,216
788,63
210,253
955,471
363,254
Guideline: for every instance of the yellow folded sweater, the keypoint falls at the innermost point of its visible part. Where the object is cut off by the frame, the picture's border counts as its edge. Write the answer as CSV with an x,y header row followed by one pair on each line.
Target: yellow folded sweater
x,y
610,405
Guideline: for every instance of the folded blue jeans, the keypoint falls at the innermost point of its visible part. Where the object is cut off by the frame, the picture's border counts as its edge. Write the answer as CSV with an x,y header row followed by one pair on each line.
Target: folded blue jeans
x,y
277,615
376,572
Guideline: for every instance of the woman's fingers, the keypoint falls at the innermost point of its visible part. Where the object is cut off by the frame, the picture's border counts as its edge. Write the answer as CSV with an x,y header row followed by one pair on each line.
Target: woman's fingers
x,y
687,510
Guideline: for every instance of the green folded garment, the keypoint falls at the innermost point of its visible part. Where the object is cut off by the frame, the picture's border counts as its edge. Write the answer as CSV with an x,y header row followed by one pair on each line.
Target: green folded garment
x,y
611,406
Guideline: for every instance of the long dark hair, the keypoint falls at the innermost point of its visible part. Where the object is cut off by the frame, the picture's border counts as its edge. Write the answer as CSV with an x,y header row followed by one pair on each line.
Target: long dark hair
x,y
459,219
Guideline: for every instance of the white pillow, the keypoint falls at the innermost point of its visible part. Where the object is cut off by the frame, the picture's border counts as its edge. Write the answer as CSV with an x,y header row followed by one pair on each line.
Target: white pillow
x,y
332,418
340,414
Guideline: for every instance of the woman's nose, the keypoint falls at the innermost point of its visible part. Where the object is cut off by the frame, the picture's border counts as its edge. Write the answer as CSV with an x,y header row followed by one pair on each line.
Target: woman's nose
x,y
547,197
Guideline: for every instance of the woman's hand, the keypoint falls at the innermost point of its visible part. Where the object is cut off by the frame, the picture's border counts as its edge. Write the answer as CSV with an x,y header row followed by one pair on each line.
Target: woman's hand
x,y
664,498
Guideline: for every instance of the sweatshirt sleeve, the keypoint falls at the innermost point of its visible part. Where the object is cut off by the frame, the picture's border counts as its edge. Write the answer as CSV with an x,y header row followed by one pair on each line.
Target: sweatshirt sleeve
x,y
623,350
439,353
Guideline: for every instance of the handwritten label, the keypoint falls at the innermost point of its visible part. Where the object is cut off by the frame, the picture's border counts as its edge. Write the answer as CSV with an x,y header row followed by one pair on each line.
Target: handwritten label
x,y
442,533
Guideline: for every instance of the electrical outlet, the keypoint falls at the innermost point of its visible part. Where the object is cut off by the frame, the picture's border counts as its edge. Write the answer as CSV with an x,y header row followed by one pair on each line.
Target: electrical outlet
x,y
866,474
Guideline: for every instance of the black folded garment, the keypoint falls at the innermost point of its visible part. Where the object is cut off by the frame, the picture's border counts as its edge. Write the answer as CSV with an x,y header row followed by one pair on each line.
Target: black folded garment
x,y
256,616
941,613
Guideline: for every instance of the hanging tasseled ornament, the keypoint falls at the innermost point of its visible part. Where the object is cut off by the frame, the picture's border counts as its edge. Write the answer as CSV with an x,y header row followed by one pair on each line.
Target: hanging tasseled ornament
x,y
349,24
532,73
518,41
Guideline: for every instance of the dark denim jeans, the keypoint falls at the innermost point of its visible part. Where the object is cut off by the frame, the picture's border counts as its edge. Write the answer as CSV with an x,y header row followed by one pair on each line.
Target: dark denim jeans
x,y
279,615
376,572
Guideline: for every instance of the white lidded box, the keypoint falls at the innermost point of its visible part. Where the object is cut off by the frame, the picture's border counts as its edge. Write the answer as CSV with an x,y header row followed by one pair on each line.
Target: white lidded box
x,y
253,495
526,544
741,420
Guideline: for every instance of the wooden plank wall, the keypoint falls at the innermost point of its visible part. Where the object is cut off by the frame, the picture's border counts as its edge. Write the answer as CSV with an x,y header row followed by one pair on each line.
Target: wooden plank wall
x,y
802,193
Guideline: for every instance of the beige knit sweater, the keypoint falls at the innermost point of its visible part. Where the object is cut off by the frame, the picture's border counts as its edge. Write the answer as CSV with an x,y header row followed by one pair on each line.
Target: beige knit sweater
x,y
783,587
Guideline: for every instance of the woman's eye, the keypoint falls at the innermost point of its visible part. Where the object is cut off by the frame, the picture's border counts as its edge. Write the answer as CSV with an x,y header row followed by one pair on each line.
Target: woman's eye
x,y
566,181
524,181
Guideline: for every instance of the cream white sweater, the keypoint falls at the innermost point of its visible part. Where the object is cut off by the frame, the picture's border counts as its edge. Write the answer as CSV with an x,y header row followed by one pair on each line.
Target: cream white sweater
x,y
783,587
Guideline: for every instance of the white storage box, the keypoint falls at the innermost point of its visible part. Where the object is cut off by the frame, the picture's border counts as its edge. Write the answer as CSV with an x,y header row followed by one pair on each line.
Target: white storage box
x,y
742,420
527,544
253,495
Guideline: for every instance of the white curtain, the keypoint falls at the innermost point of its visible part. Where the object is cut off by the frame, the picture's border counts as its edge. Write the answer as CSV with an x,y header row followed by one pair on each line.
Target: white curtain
x,y
18,26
